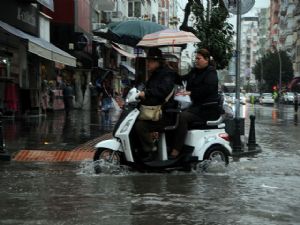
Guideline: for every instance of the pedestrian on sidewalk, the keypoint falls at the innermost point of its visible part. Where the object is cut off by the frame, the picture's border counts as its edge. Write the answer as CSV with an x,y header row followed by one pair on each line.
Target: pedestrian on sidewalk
x,y
68,95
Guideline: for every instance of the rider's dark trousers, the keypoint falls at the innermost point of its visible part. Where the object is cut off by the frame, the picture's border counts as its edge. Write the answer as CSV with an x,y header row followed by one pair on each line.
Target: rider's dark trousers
x,y
185,119
143,128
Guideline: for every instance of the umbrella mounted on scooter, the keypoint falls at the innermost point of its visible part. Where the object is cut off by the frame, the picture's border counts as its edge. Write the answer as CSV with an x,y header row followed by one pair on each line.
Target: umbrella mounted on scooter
x,y
168,37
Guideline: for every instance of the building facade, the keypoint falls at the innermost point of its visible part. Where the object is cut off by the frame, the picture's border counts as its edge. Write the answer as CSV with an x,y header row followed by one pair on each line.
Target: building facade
x,y
27,56
249,48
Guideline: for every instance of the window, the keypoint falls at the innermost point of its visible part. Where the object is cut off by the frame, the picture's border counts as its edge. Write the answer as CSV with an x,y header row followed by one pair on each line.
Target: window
x,y
298,50
134,9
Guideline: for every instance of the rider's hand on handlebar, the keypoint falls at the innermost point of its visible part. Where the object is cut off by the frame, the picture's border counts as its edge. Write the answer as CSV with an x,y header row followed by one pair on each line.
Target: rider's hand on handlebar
x,y
141,95
184,93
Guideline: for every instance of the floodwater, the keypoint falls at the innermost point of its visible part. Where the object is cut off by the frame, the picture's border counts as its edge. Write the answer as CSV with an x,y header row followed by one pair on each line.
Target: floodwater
x,y
258,190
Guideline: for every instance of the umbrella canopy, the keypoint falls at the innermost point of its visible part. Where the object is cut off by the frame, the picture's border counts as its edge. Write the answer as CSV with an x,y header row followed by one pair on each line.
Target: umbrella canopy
x,y
129,32
168,37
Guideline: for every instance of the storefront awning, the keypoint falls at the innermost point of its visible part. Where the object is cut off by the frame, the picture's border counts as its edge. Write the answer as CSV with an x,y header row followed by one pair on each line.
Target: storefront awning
x,y
131,71
129,68
41,47
123,52
47,3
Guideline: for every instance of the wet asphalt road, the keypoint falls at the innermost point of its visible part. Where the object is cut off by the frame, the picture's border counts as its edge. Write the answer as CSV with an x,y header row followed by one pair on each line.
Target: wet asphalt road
x,y
258,190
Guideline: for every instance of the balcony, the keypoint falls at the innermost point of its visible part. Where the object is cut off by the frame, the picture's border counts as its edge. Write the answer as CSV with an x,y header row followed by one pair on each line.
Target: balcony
x,y
297,10
47,3
107,5
283,11
97,26
116,16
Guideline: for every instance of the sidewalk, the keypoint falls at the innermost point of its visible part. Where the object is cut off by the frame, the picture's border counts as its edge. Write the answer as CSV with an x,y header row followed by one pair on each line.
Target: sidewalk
x,y
55,133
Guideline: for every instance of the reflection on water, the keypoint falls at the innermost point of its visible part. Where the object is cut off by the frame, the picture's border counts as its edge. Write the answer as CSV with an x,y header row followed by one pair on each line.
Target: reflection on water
x,y
296,119
274,114
56,130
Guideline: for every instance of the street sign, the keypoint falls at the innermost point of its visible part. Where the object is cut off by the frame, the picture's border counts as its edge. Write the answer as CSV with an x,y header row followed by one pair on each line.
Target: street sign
x,y
246,5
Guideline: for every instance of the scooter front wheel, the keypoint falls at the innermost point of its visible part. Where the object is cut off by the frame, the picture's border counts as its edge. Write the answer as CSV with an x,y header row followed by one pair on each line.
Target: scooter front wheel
x,y
217,153
107,155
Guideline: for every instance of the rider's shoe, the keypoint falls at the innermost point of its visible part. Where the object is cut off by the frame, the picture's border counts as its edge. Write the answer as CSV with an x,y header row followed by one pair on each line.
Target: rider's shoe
x,y
174,156
150,157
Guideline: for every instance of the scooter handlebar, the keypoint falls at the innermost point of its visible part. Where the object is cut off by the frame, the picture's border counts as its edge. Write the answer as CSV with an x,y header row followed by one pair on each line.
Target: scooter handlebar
x,y
215,122
133,96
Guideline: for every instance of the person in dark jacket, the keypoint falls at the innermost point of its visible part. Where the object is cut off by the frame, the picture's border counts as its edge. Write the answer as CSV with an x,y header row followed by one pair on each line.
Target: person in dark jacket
x,y
202,87
159,85
68,95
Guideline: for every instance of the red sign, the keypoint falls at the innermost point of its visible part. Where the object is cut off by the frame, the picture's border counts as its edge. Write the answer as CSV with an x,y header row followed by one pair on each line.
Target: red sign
x,y
83,15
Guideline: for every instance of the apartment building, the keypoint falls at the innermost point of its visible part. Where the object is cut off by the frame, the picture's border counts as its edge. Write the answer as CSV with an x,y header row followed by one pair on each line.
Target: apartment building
x,y
249,48
284,29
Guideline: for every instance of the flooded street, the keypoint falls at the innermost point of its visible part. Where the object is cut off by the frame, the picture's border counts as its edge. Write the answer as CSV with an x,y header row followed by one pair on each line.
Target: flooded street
x,y
257,190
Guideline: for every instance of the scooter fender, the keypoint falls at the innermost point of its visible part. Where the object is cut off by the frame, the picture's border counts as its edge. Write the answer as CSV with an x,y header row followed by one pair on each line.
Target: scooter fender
x,y
112,144
204,140
202,151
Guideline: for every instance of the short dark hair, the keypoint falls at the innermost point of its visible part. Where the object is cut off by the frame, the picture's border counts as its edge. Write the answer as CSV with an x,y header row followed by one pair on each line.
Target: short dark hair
x,y
204,52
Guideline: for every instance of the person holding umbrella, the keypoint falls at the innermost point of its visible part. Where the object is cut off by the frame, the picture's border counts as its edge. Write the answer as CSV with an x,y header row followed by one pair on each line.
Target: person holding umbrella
x,y
158,88
202,87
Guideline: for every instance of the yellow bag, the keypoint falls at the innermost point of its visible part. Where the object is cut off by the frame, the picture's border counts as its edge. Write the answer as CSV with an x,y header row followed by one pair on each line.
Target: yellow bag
x,y
153,113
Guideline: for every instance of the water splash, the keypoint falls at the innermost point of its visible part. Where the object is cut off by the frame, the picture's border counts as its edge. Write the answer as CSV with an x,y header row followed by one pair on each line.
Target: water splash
x,y
210,166
102,167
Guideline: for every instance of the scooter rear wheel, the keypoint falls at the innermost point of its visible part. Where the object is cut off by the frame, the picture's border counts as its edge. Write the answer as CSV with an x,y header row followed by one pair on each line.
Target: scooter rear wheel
x,y
217,153
107,155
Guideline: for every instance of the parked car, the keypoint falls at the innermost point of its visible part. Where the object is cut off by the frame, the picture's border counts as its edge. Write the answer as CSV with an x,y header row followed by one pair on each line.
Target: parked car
x,y
230,98
266,98
288,97
254,95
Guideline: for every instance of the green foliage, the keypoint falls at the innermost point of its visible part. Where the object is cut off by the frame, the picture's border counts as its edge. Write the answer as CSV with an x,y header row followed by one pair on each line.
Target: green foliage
x,y
269,67
213,31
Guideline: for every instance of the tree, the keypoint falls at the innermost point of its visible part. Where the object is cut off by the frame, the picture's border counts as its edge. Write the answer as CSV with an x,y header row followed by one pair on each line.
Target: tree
x,y
211,28
269,66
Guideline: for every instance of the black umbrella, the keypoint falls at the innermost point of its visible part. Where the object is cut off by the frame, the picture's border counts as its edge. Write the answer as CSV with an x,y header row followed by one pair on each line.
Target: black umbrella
x,y
129,32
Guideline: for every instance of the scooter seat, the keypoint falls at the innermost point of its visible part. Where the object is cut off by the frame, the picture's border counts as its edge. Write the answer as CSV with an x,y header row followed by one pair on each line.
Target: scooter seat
x,y
206,125
201,126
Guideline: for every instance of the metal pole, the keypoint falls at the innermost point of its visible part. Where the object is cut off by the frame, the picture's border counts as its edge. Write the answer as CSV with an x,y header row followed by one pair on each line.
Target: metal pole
x,y
237,144
2,149
238,60
280,68
4,155
261,76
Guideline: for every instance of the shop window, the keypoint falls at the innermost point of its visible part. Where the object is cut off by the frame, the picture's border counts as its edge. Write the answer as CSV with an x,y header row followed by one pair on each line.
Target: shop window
x,y
3,67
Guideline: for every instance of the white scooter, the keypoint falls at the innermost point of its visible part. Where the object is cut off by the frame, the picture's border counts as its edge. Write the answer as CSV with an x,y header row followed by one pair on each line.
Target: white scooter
x,y
203,142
